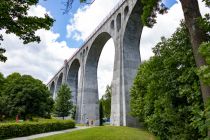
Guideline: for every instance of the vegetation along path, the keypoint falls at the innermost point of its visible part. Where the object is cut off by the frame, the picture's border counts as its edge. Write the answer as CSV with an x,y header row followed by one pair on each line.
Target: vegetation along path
x,y
104,133
50,133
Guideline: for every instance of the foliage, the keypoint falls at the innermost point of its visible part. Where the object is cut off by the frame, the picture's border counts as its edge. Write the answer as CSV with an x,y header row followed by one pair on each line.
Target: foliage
x,y
3,108
166,94
101,111
2,80
68,4
150,10
63,103
14,19
8,130
204,71
73,112
26,97
106,102
104,133
2,57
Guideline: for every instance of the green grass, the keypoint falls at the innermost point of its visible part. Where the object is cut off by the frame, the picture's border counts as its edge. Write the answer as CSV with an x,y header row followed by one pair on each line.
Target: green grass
x,y
104,133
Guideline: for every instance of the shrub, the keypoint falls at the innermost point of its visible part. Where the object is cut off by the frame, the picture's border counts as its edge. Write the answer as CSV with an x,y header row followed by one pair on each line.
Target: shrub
x,y
8,130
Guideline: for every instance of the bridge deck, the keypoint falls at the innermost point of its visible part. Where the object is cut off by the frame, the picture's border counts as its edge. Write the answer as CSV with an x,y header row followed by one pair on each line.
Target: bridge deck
x,y
112,12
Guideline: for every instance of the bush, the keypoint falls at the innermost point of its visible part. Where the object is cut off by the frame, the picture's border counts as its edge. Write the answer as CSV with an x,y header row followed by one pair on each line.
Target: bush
x,y
8,130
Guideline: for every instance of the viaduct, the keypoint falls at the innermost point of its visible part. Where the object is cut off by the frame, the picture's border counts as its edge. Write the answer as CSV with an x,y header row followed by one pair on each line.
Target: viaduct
x,y
123,25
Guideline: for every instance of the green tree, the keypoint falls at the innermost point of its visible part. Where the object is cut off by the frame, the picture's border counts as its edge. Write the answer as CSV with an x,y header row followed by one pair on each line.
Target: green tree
x,y
106,101
63,103
196,34
26,97
14,19
105,104
3,105
166,94
2,80
204,71
101,111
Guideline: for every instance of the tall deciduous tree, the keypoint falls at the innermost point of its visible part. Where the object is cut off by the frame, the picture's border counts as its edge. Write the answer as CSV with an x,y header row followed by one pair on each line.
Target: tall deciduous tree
x,y
26,96
14,19
63,103
166,94
101,111
105,104
196,33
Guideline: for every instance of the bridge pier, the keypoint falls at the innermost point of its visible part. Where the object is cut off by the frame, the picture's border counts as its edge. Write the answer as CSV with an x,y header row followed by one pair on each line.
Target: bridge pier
x,y
125,28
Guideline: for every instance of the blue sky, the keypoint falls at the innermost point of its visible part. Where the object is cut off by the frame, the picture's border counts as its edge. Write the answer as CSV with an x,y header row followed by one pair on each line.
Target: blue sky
x,y
43,60
55,7
61,20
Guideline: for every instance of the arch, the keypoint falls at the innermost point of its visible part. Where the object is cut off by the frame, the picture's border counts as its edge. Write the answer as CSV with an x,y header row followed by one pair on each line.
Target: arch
x,y
112,24
86,50
59,83
90,104
52,88
126,10
118,22
72,79
83,52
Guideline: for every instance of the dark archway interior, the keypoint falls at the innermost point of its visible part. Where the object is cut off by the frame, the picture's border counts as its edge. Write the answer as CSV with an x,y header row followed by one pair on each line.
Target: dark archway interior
x,y
119,22
52,88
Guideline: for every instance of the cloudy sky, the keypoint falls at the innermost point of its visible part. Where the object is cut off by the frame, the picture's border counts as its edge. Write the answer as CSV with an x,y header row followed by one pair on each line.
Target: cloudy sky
x,y
68,33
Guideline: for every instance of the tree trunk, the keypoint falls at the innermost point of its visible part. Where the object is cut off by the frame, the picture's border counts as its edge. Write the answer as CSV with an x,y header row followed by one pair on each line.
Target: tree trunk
x,y
197,36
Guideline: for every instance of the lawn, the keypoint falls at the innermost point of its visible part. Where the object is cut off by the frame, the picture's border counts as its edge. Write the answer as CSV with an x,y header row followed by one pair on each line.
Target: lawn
x,y
104,133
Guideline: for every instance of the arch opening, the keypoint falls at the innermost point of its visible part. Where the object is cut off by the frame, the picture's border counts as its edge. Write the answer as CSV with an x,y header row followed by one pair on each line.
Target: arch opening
x,y
112,24
52,88
59,83
96,72
126,10
73,78
118,22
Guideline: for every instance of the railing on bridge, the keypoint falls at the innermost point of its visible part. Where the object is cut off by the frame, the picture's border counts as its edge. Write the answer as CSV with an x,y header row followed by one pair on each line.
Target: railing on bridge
x,y
120,3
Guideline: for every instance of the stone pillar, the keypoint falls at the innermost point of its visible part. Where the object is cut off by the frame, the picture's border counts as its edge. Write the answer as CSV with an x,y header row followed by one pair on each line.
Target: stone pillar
x,y
79,115
130,61
127,61
116,100
65,69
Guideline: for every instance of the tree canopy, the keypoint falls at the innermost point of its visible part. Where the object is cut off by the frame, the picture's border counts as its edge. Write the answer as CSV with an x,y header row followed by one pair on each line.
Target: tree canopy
x,y
14,19
25,96
166,91
63,102
106,102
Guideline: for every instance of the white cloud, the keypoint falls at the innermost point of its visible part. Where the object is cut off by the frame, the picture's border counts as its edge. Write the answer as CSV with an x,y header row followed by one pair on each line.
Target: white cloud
x,y
105,67
166,26
39,60
38,10
86,20
43,60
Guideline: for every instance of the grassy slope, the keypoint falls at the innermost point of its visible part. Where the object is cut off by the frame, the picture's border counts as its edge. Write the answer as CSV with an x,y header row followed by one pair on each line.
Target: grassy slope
x,y
104,133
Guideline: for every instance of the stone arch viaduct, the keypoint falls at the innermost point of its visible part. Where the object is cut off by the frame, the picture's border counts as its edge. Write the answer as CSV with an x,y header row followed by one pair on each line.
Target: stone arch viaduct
x,y
123,25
